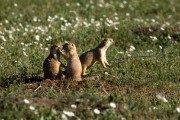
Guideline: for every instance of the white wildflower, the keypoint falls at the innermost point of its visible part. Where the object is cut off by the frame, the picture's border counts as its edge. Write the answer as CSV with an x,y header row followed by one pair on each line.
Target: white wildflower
x,y
153,38
47,39
78,4
35,19
10,36
123,118
37,37
120,52
116,18
3,38
127,14
92,20
150,30
124,2
15,5
154,108
115,28
162,28
20,15
63,28
25,29
1,47
167,23
149,51
112,104
67,24
129,55
24,53
68,113
73,106
106,73
96,111
31,107
115,14
54,111
36,112
97,24
153,20
63,116
6,21
26,101
50,37
56,16
67,5
61,18
109,21
46,49
100,5
121,5
161,97
42,117
169,37
132,48
18,29
178,109
160,47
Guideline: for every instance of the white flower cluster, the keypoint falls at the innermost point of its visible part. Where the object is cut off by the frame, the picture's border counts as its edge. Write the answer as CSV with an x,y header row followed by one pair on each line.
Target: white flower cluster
x,y
161,97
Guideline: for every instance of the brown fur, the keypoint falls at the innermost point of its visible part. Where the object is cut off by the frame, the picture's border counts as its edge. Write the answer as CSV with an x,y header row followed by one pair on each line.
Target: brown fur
x,y
52,64
97,54
74,68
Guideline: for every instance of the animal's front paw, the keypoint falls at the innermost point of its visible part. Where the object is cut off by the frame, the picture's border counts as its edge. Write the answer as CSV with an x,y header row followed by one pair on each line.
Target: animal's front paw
x,y
60,51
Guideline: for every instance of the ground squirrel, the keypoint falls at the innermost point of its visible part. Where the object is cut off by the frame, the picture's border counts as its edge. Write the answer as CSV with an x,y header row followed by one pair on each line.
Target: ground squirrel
x,y
74,68
97,54
52,64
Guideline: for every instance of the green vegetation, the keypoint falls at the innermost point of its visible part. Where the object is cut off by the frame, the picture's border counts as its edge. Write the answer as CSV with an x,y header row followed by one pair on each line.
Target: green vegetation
x,y
143,81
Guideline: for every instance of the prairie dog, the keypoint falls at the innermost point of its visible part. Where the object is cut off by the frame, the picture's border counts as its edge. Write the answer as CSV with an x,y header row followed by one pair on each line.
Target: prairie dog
x,y
52,64
74,68
97,54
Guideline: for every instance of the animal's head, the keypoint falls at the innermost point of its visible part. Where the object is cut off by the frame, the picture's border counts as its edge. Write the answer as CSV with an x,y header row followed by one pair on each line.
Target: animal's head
x,y
69,47
55,49
106,42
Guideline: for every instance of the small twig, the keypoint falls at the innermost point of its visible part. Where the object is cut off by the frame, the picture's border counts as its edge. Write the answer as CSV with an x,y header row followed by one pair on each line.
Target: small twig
x,y
105,90
38,88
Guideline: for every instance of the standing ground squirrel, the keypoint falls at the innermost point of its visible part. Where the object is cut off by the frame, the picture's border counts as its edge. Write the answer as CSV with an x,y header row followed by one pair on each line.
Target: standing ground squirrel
x,y
74,68
97,54
52,64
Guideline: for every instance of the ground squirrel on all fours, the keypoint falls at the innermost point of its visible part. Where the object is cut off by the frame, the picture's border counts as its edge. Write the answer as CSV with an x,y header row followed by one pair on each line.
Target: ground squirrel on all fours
x,y
52,64
97,54
74,68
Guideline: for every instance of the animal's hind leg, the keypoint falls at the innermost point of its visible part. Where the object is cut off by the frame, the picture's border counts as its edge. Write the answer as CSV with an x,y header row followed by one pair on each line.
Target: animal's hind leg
x,y
59,76
84,68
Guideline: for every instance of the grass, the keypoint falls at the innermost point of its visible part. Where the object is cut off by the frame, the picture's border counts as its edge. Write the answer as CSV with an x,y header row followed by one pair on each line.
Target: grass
x,y
144,58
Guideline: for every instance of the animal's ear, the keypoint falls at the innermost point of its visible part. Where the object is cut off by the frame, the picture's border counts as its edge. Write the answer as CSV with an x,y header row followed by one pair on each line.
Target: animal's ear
x,y
105,39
